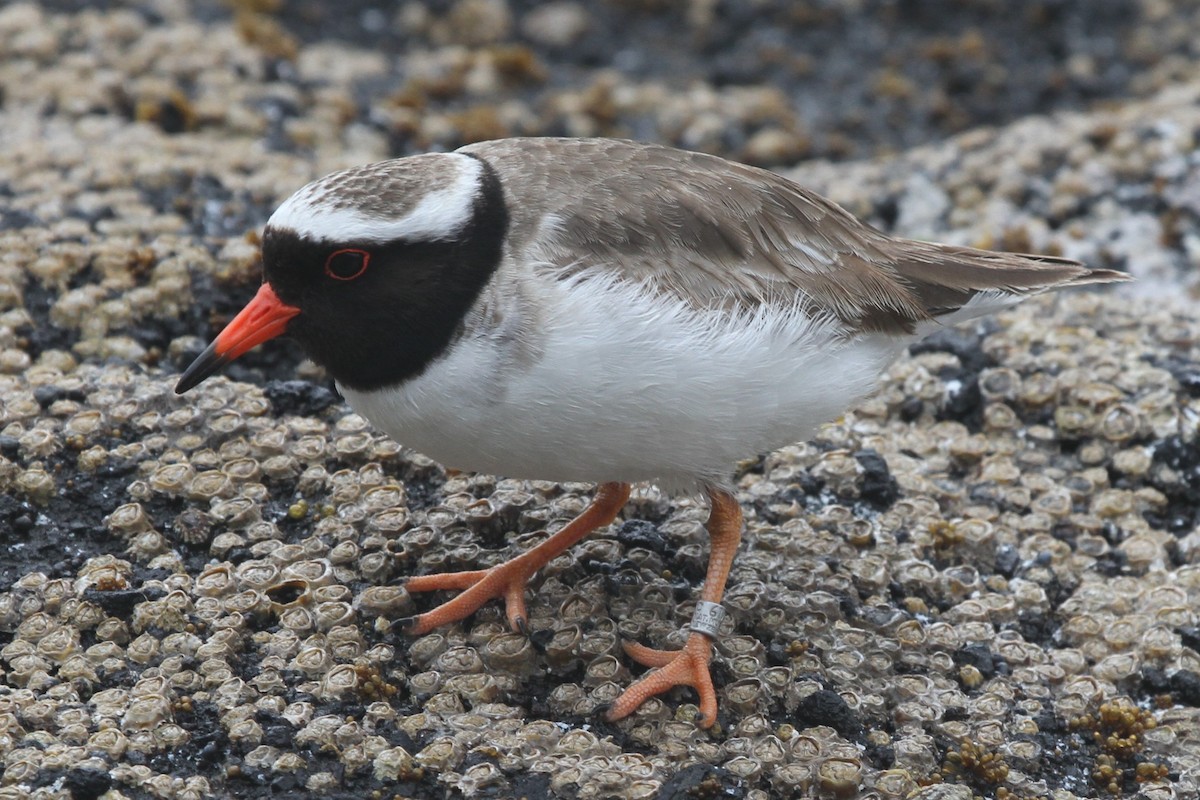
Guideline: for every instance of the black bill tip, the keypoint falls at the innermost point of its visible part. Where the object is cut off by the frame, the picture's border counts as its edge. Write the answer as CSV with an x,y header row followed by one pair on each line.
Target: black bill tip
x,y
206,364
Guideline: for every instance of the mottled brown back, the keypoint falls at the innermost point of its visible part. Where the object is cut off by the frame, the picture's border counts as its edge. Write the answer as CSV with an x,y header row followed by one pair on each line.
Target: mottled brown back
x,y
715,233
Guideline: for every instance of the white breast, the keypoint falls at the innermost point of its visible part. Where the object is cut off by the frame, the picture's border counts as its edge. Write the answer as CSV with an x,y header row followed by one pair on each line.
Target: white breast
x,y
626,385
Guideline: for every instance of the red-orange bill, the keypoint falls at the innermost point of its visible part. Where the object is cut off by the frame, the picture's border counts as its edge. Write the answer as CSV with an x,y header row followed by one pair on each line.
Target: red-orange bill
x,y
263,318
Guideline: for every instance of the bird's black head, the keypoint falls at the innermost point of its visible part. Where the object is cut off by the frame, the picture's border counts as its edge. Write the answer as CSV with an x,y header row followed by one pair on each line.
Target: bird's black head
x,y
373,269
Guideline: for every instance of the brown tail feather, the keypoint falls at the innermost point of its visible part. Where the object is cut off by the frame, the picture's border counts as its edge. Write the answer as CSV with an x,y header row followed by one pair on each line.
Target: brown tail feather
x,y
946,277
1100,276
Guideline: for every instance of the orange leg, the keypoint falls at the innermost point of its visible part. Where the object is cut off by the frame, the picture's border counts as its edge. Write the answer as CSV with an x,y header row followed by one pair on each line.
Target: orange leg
x,y
689,666
508,580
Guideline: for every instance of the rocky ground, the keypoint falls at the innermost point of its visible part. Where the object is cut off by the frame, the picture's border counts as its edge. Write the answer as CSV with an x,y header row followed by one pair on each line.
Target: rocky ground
x,y
985,581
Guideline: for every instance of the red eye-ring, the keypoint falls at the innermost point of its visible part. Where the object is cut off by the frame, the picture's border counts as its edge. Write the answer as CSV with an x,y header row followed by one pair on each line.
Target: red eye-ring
x,y
348,264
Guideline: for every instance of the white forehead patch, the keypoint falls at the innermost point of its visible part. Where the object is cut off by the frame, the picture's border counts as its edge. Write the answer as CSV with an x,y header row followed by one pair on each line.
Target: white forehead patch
x,y
363,205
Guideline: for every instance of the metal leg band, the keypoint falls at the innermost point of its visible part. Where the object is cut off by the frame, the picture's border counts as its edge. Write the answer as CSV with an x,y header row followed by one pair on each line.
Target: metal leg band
x,y
707,619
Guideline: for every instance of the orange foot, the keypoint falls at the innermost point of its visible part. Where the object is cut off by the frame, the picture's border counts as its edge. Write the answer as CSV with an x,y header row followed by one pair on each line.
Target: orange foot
x,y
508,580
689,666
686,667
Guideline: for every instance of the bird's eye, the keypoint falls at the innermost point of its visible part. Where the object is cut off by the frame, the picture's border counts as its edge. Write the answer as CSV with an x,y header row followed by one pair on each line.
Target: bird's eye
x,y
346,265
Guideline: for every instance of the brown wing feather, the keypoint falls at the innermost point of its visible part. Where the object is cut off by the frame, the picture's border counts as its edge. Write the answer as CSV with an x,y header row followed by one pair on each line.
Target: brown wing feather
x,y
714,232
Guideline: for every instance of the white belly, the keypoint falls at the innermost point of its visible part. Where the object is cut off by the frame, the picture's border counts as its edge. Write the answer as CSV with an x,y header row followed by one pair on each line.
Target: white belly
x,y
625,386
